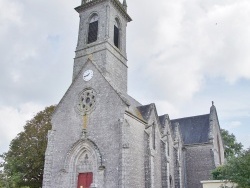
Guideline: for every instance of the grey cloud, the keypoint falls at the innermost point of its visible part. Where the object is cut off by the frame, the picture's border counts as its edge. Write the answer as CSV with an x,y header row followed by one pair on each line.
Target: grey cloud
x,y
174,48
37,54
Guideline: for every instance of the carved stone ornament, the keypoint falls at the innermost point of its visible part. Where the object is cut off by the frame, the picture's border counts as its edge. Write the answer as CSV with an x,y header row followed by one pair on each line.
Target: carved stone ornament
x,y
85,165
86,101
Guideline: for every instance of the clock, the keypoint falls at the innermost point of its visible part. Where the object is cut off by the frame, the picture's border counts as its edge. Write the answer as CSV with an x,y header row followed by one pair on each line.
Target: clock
x,y
87,75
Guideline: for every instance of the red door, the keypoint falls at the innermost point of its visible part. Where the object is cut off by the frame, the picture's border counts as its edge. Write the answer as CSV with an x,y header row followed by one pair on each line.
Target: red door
x,y
85,180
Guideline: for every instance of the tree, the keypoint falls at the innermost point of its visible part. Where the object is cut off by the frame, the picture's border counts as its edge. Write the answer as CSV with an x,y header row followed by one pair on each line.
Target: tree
x,y
24,162
232,147
233,170
2,175
236,170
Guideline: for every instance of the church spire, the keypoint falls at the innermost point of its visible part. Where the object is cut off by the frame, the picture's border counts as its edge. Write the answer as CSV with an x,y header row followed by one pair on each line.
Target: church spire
x,y
125,6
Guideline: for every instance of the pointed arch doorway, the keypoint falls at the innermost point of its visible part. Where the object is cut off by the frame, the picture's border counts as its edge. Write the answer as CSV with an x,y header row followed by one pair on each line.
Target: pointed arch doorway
x,y
84,166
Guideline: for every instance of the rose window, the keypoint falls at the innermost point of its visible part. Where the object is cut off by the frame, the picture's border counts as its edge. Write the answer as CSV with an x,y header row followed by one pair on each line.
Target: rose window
x,y
86,101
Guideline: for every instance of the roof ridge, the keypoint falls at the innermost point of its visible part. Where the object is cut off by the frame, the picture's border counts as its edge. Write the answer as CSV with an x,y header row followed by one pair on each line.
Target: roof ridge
x,y
190,117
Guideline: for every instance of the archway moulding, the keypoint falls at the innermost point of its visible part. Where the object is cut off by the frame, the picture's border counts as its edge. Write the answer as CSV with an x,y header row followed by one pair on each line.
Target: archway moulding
x,y
84,156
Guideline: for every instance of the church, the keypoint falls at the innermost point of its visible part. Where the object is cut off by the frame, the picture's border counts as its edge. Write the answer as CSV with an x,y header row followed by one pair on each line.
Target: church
x,y
103,138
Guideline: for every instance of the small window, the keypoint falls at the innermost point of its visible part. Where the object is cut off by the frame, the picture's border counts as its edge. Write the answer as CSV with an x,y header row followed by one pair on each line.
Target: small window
x,y
176,157
170,181
116,33
153,136
93,29
168,145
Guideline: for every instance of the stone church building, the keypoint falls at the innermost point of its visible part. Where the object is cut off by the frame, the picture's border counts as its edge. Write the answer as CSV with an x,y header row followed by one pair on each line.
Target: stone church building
x,y
103,138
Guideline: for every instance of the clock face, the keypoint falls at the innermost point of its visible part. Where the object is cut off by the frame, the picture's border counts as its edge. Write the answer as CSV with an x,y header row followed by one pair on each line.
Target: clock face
x,y
87,75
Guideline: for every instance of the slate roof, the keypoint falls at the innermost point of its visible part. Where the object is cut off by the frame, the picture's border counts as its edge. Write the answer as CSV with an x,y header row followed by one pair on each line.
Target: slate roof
x,y
132,101
194,130
145,111
162,120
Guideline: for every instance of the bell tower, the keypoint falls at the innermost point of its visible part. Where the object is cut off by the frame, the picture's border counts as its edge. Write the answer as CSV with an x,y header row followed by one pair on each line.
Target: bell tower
x,y
102,38
85,144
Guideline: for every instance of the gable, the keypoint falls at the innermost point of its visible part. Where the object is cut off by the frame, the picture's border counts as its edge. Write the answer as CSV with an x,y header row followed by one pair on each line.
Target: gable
x,y
165,121
99,83
150,115
145,111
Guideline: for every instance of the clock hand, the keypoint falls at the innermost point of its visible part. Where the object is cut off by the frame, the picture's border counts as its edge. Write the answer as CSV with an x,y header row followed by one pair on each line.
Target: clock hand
x,y
86,75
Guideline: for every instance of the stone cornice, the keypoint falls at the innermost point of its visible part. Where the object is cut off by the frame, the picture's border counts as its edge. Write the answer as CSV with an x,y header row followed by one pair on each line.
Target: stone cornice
x,y
116,3
87,5
82,52
135,117
120,7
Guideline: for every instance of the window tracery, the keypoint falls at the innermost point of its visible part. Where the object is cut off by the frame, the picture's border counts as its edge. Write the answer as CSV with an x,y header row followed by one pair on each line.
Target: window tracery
x,y
86,101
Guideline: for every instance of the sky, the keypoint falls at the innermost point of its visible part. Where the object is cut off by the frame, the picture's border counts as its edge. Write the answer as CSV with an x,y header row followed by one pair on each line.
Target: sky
x,y
181,56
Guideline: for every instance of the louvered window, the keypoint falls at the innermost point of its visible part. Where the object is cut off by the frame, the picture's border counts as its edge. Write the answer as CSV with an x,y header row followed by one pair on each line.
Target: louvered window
x,y
116,36
116,33
93,29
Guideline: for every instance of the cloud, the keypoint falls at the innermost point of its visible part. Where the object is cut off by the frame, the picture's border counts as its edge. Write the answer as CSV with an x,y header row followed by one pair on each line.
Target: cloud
x,y
229,40
246,141
9,13
234,124
182,43
175,49
12,121
37,51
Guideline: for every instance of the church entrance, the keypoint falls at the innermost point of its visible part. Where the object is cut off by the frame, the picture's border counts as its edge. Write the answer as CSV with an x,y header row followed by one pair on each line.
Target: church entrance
x,y
85,180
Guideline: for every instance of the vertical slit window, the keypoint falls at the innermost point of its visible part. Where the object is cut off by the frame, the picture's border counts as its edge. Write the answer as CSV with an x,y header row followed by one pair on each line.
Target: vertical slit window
x,y
93,29
168,145
116,34
153,136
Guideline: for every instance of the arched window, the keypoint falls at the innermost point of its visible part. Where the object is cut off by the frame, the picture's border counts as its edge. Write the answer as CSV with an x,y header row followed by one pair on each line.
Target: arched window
x,y
116,33
93,29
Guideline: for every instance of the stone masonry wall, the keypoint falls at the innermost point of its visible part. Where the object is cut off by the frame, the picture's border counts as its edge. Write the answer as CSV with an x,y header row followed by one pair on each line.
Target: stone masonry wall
x,y
164,174
199,164
147,161
102,126
135,176
111,60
